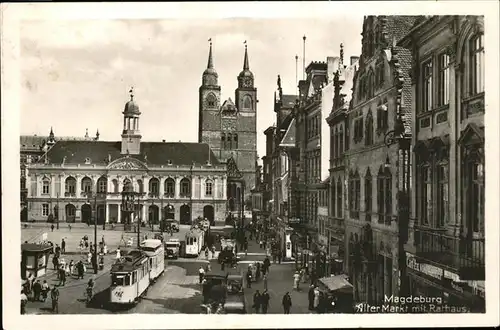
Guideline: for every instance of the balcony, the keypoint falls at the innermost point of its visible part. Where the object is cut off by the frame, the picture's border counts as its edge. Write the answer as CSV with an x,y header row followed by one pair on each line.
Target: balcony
x,y
462,255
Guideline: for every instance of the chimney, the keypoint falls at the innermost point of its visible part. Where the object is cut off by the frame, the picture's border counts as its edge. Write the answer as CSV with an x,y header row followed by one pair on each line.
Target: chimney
x,y
354,59
332,64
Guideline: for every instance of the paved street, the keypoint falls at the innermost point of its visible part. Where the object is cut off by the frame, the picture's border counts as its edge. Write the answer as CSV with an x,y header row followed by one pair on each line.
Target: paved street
x,y
176,291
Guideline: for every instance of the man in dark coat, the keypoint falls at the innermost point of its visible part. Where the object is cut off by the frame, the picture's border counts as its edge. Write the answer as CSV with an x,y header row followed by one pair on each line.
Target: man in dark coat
x,y
37,289
63,246
249,278
310,296
54,295
62,276
264,298
267,264
287,303
257,301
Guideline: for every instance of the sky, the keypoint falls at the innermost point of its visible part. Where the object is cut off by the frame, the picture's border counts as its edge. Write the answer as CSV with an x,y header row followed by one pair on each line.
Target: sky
x,y
76,74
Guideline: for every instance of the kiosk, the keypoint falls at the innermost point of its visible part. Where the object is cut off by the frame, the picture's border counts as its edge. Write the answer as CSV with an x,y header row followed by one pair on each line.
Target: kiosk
x,y
34,259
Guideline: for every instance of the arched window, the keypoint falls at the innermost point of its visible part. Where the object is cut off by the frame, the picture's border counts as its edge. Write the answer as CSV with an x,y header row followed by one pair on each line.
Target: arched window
x,y
223,141
86,185
170,187
70,186
102,185
476,65
154,187
341,141
229,141
46,186
369,129
354,194
247,102
211,100
384,195
333,198
115,186
337,141
235,137
185,188
368,195
340,206
208,188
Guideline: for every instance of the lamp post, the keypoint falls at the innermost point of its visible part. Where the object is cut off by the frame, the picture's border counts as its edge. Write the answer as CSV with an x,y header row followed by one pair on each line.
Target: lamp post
x,y
128,205
398,136
94,217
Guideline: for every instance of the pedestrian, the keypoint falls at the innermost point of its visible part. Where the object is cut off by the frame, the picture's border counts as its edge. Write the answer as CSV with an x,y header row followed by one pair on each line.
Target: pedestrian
x,y
296,281
257,272
89,257
71,267
62,277
310,296
86,244
81,269
45,290
52,227
57,250
118,253
205,290
54,295
249,277
264,298
206,252
303,274
265,281
37,289
24,302
55,262
316,298
313,277
280,255
257,300
267,264
69,226
63,246
287,303
201,274
261,244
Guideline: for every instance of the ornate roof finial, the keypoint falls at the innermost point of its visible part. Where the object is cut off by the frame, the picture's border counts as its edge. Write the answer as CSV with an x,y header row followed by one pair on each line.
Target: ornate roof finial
x,y
246,66
210,64
51,134
131,91
86,133
97,135
341,62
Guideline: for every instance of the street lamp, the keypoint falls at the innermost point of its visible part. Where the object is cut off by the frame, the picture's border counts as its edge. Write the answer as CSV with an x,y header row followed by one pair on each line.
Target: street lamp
x,y
128,198
94,217
398,136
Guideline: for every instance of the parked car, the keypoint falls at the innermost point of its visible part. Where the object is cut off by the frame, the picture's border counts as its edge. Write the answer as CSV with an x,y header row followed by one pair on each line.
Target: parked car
x,y
173,224
172,247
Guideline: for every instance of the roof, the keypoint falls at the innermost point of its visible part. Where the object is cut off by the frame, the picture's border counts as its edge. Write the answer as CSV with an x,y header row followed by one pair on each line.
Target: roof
x,y
289,138
288,100
151,243
32,140
129,262
404,59
398,26
157,153
35,247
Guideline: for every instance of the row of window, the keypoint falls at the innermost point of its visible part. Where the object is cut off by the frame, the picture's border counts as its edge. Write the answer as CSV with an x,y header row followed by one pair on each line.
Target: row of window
x,y
313,167
436,75
367,129
154,186
384,195
313,126
336,142
229,141
372,81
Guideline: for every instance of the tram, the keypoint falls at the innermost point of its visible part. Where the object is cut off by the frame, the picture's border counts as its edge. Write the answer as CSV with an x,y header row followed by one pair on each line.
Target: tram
x,y
195,239
155,251
130,278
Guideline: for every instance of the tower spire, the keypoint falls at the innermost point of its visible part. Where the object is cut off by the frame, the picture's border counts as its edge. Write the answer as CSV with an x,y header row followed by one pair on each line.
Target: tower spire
x,y
210,64
341,62
245,61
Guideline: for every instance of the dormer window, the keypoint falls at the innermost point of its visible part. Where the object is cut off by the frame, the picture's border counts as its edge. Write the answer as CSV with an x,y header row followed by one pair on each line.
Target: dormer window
x,y
88,160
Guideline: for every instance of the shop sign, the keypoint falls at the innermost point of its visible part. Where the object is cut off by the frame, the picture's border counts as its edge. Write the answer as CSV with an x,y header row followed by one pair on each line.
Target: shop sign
x,y
322,211
427,269
294,221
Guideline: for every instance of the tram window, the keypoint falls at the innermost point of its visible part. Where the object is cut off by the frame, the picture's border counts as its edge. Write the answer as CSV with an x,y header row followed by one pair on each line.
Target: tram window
x,y
134,277
117,280
127,279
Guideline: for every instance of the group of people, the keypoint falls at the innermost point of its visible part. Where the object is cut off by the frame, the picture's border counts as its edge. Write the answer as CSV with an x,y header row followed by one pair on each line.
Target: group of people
x,y
33,290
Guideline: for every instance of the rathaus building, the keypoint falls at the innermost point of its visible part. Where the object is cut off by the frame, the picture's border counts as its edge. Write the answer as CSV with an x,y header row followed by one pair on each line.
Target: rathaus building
x,y
174,180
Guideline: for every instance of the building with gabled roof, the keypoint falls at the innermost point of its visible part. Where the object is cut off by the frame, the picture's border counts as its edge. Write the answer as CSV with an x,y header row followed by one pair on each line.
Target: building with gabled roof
x,y
175,180
381,94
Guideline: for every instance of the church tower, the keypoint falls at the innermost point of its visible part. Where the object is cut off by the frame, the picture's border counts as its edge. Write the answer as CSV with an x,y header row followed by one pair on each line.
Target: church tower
x,y
209,124
230,127
131,136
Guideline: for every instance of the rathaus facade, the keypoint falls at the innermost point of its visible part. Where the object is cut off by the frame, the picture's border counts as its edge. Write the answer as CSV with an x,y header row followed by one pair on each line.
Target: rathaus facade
x,y
230,128
79,181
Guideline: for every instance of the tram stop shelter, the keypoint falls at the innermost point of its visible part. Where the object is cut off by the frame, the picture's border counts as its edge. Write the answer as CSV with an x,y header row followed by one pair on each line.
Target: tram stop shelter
x,y
34,259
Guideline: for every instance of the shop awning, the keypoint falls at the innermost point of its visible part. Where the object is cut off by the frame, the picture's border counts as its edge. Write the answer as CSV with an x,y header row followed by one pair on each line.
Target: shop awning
x,y
337,283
